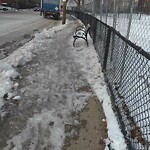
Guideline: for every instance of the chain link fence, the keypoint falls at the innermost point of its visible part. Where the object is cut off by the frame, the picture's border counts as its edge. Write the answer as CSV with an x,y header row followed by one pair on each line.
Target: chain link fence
x,y
127,73
130,17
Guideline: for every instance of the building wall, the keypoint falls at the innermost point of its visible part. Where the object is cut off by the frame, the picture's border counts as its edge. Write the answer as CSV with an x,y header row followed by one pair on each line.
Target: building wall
x,y
21,3
9,2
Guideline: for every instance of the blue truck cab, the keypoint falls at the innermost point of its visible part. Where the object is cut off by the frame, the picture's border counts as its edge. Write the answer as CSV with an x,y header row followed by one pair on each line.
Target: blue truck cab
x,y
51,8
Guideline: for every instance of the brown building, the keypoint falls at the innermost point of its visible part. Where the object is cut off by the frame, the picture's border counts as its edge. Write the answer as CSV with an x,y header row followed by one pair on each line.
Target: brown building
x,y
144,6
9,2
21,3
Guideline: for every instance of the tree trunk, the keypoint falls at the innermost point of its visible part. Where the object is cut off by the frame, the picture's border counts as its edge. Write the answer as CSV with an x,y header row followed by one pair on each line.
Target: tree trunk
x,y
78,4
64,12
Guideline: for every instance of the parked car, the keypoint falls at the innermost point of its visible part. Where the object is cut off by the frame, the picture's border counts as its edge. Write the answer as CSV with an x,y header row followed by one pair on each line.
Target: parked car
x,y
4,7
37,8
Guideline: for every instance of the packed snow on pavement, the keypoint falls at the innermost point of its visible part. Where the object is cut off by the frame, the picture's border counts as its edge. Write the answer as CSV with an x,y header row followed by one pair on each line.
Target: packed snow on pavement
x,y
87,58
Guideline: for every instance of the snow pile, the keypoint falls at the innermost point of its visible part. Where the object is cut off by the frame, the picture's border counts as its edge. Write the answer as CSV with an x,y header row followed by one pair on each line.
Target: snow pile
x,y
88,58
7,72
50,32
7,68
19,58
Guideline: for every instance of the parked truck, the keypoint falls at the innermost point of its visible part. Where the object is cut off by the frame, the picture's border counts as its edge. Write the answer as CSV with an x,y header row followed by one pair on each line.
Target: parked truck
x,y
51,8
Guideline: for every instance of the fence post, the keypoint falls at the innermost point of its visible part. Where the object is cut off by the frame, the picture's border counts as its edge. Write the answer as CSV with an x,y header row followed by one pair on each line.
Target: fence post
x,y
94,8
106,49
101,11
115,10
95,29
126,47
106,11
130,18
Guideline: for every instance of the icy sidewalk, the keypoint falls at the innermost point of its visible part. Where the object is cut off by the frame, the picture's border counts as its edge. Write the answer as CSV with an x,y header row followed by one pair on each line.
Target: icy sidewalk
x,y
56,81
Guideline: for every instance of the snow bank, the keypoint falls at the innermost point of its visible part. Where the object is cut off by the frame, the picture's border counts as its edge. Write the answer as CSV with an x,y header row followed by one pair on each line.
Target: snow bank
x,y
7,72
19,58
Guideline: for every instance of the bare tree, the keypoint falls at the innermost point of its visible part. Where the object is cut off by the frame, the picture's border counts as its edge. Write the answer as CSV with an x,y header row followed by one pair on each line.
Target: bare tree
x,y
64,9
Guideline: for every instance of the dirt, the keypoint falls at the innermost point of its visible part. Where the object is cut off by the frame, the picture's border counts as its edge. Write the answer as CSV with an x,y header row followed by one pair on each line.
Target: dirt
x,y
91,131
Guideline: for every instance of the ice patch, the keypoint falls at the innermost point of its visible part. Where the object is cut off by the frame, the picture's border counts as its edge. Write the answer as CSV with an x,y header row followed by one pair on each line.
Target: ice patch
x,y
54,139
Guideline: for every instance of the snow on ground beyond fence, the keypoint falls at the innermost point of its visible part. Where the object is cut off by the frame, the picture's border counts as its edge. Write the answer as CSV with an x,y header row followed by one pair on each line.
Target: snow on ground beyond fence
x,y
139,31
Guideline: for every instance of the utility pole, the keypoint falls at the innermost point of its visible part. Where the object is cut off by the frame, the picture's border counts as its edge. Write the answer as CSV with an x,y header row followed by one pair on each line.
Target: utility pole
x,y
64,12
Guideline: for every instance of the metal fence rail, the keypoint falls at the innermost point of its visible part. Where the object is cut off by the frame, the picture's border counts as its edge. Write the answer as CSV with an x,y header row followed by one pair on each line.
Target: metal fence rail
x,y
127,72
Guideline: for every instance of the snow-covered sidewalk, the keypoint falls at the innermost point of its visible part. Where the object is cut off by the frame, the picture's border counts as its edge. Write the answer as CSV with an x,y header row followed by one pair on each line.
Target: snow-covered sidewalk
x,y
43,84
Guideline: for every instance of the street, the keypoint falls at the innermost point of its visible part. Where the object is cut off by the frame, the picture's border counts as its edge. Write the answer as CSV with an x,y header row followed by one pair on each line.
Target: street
x,y
17,28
